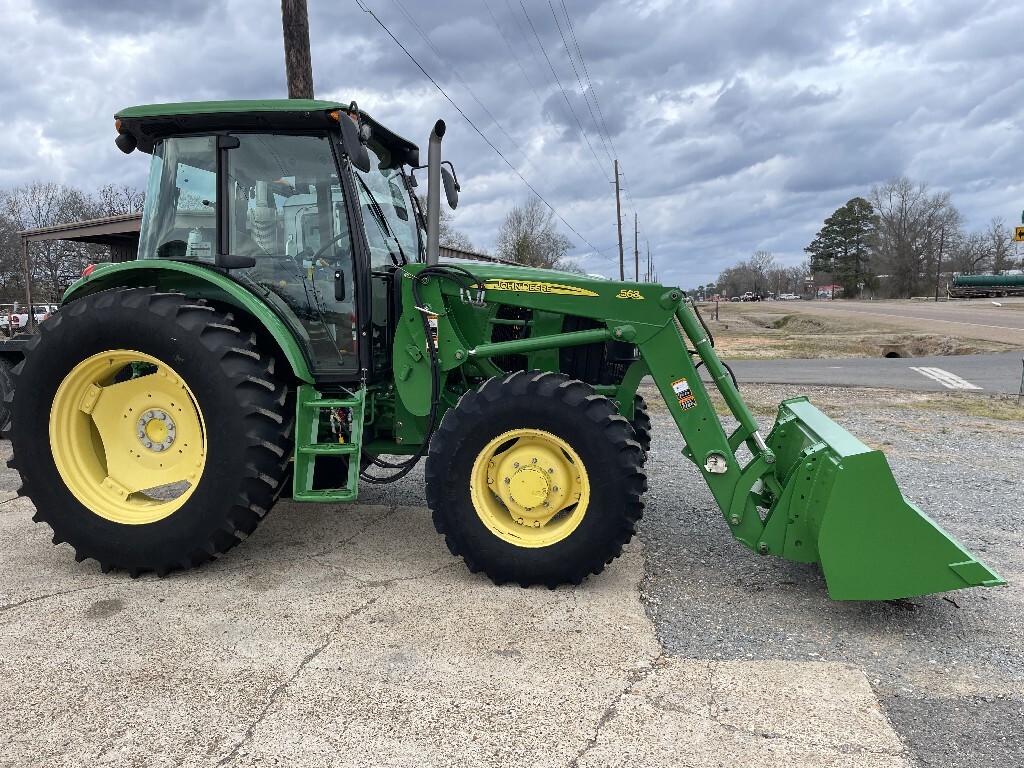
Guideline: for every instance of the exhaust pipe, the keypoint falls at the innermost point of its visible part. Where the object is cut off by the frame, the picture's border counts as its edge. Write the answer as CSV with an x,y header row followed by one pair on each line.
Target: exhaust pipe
x,y
434,193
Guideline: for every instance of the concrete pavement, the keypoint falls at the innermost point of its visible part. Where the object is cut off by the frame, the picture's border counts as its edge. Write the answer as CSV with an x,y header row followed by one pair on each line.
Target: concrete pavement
x,y
349,636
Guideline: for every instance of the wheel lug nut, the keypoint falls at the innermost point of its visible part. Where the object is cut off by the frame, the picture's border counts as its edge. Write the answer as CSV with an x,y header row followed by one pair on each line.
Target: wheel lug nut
x,y
506,480
533,461
551,470
515,464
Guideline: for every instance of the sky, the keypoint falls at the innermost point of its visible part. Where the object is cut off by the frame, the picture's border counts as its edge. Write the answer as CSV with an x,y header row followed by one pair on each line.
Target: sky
x,y
739,126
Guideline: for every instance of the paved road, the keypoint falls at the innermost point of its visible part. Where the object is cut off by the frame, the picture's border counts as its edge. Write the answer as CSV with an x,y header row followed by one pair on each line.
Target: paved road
x,y
985,374
974,319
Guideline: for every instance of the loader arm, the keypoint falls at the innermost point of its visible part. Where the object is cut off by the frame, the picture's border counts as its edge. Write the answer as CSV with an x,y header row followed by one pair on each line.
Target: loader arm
x,y
810,491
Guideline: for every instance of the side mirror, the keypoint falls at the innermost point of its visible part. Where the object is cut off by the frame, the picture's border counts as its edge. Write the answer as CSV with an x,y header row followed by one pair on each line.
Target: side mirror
x,y
354,148
451,188
339,285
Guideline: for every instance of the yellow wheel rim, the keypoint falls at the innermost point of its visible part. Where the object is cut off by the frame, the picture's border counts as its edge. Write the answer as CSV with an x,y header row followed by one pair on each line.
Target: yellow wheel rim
x,y
530,488
132,451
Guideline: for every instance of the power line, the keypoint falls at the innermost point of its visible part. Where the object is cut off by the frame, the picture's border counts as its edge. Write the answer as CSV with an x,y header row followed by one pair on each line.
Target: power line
x,y
579,80
522,69
583,63
469,90
516,57
562,89
593,93
473,125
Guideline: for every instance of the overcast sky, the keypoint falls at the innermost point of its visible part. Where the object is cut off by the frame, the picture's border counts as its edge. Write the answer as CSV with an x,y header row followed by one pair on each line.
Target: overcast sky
x,y
739,126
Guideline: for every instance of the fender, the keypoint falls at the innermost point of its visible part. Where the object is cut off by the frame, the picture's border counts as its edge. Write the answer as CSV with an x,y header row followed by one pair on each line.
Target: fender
x,y
202,282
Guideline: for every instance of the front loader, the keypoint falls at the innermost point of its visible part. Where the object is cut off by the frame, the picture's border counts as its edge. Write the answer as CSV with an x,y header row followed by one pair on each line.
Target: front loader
x,y
289,331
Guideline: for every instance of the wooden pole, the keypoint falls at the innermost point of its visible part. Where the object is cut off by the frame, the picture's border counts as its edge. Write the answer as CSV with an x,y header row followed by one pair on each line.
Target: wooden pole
x,y
636,248
27,266
618,222
297,62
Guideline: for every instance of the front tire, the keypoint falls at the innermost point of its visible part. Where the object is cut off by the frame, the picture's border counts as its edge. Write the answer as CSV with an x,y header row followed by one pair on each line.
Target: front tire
x,y
535,479
150,432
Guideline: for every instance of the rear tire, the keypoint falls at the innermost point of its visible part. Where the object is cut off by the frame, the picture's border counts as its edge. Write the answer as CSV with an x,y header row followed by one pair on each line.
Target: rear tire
x,y
548,438
200,407
6,391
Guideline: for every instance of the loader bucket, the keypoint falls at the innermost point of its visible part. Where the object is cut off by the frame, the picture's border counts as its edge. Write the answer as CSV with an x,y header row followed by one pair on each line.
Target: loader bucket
x,y
840,505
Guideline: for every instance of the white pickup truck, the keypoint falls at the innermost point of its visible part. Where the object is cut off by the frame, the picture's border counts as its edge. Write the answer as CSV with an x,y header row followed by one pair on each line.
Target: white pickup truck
x,y
14,317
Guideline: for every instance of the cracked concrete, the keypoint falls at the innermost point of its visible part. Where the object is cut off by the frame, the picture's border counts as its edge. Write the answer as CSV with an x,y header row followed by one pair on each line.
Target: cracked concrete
x,y
349,636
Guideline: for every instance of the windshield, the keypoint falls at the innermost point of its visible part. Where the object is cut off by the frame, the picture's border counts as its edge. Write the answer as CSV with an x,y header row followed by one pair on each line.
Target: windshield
x,y
387,210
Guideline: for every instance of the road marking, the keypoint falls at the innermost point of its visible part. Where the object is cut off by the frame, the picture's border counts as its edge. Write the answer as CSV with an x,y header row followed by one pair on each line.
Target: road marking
x,y
945,378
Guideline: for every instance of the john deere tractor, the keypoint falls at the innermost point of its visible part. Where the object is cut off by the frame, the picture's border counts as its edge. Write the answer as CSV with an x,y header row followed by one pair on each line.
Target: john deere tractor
x,y
288,324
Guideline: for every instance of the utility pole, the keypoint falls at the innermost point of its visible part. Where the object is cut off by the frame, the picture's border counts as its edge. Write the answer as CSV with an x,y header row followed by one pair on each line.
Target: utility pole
x,y
938,263
636,248
618,222
297,62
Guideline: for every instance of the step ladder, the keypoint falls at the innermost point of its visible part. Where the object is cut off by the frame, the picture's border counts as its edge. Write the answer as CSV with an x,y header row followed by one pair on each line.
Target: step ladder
x,y
309,403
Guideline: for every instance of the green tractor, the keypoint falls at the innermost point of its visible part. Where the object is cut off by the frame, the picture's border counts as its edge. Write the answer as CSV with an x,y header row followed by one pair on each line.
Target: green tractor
x,y
288,323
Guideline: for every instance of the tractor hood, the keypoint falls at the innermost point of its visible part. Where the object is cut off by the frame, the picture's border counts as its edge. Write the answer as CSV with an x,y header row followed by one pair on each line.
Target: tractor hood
x,y
516,279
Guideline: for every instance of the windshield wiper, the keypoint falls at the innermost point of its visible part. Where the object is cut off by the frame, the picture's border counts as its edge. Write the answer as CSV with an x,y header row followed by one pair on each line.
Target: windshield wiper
x,y
382,224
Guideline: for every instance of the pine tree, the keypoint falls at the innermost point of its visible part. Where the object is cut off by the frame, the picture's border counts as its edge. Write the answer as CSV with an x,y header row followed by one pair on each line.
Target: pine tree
x,y
843,245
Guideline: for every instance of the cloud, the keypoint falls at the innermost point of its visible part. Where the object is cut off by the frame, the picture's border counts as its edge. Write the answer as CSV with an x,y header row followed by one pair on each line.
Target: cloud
x,y
738,126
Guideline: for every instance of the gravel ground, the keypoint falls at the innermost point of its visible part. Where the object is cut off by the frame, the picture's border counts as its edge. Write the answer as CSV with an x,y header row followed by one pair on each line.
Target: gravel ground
x,y
948,669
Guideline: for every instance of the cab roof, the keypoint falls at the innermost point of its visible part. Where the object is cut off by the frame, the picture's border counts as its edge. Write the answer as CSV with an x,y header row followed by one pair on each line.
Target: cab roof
x,y
150,122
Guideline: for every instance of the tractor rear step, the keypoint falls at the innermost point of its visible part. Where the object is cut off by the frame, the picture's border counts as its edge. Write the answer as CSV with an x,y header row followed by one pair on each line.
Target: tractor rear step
x,y
308,446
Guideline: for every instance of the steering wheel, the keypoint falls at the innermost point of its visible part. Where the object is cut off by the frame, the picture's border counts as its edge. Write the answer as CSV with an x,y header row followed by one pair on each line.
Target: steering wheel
x,y
316,256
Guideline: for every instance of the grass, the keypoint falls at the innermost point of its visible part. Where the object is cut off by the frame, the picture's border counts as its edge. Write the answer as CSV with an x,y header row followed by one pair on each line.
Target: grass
x,y
763,401
757,331
1000,407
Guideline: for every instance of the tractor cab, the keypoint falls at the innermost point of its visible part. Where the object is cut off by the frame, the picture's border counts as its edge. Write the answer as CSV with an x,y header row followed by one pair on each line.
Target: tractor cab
x,y
307,204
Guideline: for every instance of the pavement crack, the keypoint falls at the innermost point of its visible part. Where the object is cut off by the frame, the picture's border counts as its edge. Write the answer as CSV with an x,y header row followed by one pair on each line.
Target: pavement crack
x,y
385,583
342,542
36,599
634,678
282,686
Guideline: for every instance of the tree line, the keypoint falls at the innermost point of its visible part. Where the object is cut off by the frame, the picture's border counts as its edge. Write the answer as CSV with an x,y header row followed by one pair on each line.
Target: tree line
x,y
901,240
55,263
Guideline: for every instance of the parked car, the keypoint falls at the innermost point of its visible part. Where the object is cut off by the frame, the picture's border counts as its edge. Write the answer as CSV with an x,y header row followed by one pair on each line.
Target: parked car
x,y
14,318
735,298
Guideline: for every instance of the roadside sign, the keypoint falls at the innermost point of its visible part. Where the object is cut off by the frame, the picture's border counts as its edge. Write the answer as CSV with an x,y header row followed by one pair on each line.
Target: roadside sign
x,y
1018,234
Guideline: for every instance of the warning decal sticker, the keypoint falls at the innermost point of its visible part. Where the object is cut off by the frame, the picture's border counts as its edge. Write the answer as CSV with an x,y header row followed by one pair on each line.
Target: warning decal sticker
x,y
683,394
432,323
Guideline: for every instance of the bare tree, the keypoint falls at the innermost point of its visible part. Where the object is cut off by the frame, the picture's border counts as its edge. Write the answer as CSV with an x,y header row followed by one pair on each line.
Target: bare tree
x,y
55,263
914,228
529,236
450,237
118,200
1001,250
